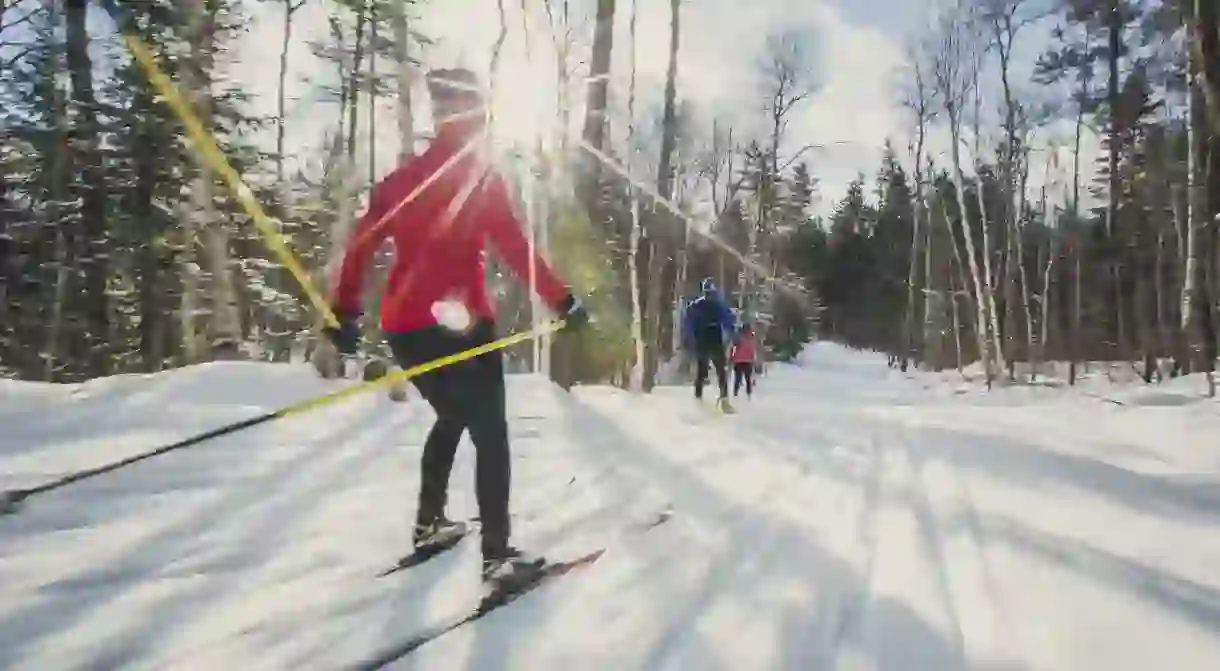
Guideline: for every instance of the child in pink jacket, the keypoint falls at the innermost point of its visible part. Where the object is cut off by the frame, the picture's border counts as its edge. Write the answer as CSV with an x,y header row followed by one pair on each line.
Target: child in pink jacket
x,y
744,355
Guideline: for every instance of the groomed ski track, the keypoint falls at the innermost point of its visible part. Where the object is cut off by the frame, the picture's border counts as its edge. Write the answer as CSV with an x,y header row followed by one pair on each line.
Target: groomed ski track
x,y
849,517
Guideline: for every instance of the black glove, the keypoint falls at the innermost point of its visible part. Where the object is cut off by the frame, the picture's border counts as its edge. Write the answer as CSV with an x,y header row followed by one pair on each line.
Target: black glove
x,y
345,337
573,312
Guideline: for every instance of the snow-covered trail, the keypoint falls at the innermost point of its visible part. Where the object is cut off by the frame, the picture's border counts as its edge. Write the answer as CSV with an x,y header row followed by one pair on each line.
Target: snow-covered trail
x,y
848,517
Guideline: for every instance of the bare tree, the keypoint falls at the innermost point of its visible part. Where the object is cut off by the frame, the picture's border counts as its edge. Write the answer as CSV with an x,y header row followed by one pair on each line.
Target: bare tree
x,y
954,76
636,376
920,101
290,8
787,82
1003,20
988,275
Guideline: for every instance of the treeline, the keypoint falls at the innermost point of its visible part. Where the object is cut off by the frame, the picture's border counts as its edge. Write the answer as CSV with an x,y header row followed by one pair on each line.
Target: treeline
x,y
119,251
964,261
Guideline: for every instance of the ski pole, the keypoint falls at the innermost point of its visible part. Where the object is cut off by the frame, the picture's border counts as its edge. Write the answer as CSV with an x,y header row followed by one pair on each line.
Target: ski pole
x,y
10,500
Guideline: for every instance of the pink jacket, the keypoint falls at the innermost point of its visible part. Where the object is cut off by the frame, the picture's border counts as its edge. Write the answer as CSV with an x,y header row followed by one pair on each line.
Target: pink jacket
x,y
744,349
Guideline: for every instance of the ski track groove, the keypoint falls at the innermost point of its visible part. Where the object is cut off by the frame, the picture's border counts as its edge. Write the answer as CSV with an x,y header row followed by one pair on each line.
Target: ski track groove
x,y
281,515
742,520
140,564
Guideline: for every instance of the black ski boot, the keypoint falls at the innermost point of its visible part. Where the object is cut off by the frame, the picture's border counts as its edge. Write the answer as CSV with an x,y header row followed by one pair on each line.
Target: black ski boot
x,y
440,533
510,568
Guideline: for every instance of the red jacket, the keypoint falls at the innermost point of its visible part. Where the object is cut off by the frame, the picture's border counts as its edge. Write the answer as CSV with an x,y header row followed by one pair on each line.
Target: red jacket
x,y
744,348
439,236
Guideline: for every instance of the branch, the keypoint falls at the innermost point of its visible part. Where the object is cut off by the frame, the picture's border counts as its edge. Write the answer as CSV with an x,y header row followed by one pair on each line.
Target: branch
x,y
23,19
785,108
810,147
20,55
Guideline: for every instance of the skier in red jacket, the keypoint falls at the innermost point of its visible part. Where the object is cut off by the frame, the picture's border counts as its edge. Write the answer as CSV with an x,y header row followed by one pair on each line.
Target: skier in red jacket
x,y
439,209
744,356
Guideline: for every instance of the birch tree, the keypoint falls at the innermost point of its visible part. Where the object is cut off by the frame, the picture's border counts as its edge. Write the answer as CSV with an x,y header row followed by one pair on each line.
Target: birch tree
x,y
636,377
954,82
919,100
225,323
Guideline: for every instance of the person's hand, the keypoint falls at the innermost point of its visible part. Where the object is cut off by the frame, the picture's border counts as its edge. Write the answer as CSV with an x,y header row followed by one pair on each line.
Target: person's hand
x,y
346,336
573,312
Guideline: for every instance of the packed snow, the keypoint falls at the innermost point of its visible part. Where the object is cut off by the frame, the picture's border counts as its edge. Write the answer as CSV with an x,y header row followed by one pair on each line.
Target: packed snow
x,y
848,517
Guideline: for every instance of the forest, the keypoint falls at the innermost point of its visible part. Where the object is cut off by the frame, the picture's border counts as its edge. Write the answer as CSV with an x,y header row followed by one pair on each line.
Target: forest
x,y
123,250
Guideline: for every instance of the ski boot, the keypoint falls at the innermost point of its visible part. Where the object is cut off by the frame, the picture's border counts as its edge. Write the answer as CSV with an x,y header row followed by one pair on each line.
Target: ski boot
x,y
439,534
510,569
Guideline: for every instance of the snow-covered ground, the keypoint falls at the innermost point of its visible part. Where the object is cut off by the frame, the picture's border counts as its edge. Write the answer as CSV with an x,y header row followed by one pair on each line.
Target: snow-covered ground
x,y
849,517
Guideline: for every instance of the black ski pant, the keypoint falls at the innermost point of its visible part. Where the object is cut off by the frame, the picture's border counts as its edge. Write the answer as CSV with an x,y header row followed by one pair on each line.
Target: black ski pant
x,y
743,370
467,396
713,353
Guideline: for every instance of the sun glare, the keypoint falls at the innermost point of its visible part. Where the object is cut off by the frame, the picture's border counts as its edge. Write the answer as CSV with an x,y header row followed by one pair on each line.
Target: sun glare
x,y
523,102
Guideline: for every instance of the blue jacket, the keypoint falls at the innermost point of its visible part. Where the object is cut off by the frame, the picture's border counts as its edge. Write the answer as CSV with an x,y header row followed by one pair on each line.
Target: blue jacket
x,y
707,319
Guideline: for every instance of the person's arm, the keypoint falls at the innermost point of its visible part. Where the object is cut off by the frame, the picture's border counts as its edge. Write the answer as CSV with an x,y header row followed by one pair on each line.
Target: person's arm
x,y
725,317
504,230
365,238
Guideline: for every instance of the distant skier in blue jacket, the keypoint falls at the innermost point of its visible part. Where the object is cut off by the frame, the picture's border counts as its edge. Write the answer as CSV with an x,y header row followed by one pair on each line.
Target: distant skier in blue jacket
x,y
706,327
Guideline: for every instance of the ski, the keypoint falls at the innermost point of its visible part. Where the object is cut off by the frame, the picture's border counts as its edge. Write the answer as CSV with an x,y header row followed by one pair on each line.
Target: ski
x,y
489,603
424,553
504,597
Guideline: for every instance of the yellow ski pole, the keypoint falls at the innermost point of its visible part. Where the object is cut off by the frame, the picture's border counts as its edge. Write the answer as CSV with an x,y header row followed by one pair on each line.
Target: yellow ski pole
x,y
10,500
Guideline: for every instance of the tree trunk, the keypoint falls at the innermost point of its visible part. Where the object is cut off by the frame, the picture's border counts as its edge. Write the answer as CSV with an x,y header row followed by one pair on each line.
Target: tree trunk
x,y
1192,271
63,250
635,379
1077,312
988,277
225,325
928,326
599,76
1207,38
63,254
149,253
373,43
402,56
290,8
94,300
917,230
353,102
1018,245
662,238
563,350
1004,32
1076,249
982,290
957,322
1047,294
188,308
1113,92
